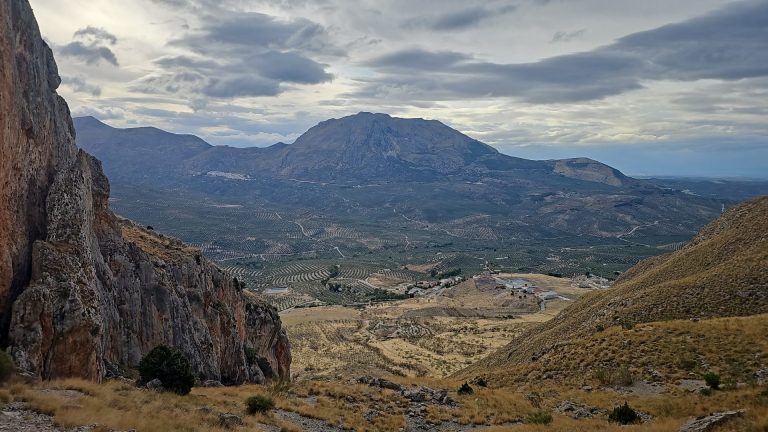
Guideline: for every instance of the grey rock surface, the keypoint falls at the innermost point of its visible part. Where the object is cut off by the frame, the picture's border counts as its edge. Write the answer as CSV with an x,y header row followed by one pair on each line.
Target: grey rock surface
x,y
710,422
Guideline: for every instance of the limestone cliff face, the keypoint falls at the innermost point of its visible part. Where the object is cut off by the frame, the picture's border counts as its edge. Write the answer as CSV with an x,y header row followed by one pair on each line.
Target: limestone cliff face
x,y
83,293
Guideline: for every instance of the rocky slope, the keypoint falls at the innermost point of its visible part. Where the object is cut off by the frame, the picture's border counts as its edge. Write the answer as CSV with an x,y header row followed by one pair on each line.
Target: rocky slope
x,y
83,293
720,273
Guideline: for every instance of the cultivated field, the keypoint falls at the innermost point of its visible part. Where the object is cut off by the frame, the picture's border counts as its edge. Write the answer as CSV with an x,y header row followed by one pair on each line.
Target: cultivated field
x,y
429,336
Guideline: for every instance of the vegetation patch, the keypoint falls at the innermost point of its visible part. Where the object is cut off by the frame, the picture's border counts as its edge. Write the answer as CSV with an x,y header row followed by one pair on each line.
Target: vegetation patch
x,y
169,366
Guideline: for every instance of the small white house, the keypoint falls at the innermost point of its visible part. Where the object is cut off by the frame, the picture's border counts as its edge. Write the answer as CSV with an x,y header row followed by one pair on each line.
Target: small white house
x,y
548,295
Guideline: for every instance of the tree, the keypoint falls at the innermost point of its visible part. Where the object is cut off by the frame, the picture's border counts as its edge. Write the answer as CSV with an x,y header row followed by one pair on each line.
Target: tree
x,y
624,414
170,366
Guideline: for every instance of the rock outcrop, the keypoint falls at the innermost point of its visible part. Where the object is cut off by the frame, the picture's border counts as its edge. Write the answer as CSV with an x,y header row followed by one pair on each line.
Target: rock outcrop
x,y
83,293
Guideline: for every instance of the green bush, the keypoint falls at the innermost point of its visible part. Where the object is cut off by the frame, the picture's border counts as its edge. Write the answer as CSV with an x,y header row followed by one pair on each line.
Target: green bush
x,y
251,355
259,404
624,414
706,391
170,366
539,417
712,379
465,389
6,366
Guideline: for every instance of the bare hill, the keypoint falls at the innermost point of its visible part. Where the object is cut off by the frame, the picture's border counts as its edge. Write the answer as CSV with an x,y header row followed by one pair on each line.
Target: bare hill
x,y
720,273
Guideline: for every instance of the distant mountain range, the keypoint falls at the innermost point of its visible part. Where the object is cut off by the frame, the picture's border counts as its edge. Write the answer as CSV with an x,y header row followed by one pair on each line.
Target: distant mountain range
x,y
420,168
361,147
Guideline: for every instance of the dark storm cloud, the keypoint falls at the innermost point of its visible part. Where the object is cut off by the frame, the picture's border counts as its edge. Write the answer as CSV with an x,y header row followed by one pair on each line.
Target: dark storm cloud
x,y
468,17
241,85
78,84
90,54
460,19
96,34
247,30
418,59
244,54
88,45
729,44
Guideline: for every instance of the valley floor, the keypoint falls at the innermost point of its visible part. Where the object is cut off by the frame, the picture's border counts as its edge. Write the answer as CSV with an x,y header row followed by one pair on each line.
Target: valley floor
x,y
392,367
432,336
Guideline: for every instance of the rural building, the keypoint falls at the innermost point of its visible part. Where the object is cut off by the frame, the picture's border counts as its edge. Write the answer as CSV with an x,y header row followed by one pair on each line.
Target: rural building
x,y
548,295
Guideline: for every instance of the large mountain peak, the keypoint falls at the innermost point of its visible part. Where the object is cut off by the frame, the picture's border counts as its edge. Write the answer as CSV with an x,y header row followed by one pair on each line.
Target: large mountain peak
x,y
385,146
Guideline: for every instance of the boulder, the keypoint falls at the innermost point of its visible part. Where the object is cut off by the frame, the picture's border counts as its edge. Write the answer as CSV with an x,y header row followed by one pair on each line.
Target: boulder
x,y
710,422
229,420
155,385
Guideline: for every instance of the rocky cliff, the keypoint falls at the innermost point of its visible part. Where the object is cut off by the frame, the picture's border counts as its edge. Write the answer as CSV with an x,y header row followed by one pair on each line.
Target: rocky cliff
x,y
81,292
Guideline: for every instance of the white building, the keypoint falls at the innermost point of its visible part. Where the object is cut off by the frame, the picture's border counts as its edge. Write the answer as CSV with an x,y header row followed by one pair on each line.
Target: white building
x,y
548,295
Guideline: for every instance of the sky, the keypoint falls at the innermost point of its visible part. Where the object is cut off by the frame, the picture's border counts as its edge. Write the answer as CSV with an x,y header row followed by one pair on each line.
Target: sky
x,y
653,87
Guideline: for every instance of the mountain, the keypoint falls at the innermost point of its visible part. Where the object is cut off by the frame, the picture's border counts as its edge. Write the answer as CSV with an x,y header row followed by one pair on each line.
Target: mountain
x,y
421,168
82,292
720,273
365,146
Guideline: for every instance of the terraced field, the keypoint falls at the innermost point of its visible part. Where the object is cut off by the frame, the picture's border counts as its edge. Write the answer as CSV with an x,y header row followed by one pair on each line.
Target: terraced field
x,y
267,245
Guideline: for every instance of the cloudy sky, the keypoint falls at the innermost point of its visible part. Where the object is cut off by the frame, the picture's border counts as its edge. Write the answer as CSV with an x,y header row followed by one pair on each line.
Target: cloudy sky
x,y
653,87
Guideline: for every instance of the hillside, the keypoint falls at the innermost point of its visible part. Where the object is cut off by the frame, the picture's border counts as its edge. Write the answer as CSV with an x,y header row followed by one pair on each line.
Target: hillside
x,y
82,292
720,273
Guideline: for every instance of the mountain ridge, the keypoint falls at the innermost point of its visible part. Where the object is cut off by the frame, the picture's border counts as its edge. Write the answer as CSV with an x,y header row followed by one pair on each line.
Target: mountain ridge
x,y
384,146
422,167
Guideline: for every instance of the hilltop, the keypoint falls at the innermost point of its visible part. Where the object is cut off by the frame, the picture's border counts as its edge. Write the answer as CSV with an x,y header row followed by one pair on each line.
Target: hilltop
x,y
720,273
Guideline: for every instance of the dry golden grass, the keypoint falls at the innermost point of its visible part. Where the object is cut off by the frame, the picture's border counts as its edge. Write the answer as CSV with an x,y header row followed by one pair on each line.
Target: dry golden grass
x,y
117,405
720,273
167,248
733,347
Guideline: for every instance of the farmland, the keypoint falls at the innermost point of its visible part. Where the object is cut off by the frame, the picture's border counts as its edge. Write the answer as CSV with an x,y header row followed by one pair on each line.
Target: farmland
x,y
433,335
272,243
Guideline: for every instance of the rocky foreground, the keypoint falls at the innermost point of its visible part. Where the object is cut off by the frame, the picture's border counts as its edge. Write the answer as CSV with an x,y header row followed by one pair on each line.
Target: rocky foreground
x,y
81,293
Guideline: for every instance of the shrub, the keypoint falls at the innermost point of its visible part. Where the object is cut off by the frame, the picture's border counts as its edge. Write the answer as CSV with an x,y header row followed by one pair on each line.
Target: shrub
x,y
706,391
259,404
6,366
712,379
621,376
465,389
170,366
535,399
687,361
481,382
539,417
250,355
624,414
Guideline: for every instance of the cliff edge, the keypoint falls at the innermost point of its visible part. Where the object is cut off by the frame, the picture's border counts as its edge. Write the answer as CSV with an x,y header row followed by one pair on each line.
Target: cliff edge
x,y
83,293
